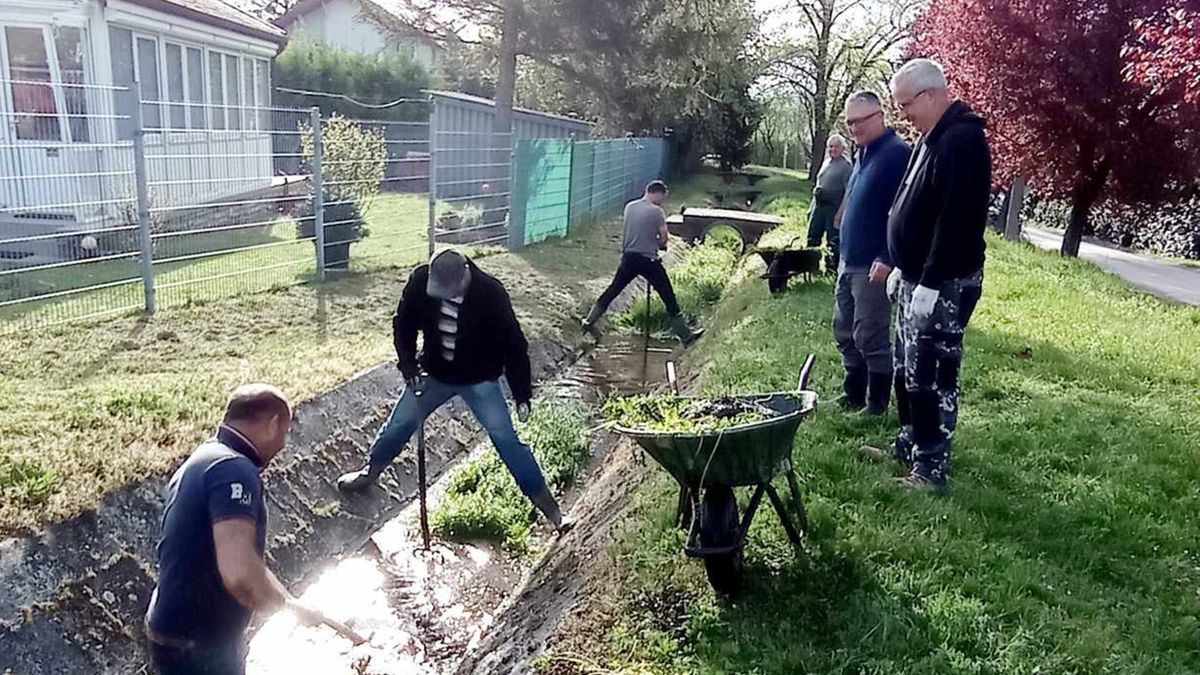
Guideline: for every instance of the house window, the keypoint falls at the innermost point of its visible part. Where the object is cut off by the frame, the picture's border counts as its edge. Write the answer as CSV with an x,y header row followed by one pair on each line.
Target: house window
x,y
233,97
176,112
45,73
262,90
185,86
69,48
195,87
216,89
34,103
146,73
249,114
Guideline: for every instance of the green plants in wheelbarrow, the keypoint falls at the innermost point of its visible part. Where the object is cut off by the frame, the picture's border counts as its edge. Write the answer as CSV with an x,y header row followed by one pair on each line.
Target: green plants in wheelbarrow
x,y
711,446
668,413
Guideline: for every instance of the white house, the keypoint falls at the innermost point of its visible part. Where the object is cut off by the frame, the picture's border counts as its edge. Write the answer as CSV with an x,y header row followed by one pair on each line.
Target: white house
x,y
68,70
360,26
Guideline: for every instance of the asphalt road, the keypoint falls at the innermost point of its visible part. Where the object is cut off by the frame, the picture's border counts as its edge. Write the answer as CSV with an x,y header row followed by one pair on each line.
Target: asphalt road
x,y
1169,281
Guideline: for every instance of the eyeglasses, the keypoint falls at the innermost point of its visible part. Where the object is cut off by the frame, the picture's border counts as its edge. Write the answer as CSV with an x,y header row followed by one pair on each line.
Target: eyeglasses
x,y
853,122
904,106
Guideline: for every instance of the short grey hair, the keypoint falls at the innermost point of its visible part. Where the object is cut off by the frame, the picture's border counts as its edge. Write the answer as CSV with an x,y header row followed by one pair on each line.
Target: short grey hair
x,y
865,97
922,74
837,138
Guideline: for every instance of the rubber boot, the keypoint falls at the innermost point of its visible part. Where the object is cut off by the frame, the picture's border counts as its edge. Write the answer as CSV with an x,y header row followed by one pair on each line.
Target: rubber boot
x,y
879,393
357,481
546,503
854,390
682,331
589,324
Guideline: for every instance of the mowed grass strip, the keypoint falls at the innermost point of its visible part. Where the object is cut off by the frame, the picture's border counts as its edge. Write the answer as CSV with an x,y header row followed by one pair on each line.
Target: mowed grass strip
x,y
1067,544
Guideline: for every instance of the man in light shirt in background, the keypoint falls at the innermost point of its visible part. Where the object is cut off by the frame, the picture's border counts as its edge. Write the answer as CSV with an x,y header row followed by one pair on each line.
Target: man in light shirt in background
x,y
645,238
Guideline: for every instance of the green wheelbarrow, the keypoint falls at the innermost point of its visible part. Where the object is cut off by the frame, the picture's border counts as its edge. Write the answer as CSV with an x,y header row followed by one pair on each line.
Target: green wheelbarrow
x,y
709,466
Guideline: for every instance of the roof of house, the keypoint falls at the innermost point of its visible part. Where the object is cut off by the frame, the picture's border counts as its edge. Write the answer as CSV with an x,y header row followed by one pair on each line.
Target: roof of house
x,y
391,8
489,103
218,13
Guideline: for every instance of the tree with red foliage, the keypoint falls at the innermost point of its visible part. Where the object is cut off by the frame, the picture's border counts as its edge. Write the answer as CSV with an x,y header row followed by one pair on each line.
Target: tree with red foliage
x,y
1065,108
1167,56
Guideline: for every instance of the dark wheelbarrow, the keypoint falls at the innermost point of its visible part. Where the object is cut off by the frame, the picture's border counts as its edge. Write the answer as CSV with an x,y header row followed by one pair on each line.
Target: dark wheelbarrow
x,y
786,262
709,466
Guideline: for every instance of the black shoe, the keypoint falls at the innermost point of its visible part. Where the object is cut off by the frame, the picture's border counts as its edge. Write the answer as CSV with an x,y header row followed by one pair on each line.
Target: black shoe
x,y
848,404
589,324
357,481
854,386
915,482
686,335
879,393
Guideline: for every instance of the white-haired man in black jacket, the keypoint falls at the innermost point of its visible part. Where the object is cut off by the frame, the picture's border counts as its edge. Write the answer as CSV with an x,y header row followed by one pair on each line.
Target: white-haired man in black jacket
x,y
935,239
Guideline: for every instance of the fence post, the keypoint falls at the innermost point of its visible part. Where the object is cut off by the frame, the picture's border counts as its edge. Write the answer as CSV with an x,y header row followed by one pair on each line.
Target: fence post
x,y
431,226
318,188
570,184
142,190
1012,225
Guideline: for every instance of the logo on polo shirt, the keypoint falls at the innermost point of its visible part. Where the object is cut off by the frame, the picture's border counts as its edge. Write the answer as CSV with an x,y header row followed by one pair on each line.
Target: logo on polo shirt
x,y
238,494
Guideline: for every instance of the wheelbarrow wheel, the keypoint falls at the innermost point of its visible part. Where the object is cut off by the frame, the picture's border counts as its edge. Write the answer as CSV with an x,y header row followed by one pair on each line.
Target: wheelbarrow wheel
x,y
719,528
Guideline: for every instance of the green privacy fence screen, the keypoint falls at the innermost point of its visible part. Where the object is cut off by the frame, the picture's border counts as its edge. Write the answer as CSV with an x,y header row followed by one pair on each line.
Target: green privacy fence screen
x,y
559,183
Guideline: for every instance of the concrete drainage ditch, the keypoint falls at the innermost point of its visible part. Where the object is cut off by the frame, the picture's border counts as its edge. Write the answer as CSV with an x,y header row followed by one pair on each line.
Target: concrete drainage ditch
x,y
75,593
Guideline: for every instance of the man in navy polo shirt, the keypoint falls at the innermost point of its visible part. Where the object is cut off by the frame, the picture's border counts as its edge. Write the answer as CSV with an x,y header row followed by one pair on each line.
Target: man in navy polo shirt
x,y
212,575
862,314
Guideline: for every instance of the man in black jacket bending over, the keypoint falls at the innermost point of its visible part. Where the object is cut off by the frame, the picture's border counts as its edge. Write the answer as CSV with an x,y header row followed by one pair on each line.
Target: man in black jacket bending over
x,y
471,338
935,239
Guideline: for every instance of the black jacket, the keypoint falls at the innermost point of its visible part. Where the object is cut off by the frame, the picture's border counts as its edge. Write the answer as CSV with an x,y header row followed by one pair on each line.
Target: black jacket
x,y
490,341
936,223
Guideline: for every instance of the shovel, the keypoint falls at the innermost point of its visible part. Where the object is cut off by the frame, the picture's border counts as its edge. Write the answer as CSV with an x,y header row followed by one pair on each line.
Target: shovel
x,y
421,479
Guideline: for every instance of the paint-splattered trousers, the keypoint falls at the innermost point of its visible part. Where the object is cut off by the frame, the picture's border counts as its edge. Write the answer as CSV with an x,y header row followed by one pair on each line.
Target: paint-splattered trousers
x,y
928,357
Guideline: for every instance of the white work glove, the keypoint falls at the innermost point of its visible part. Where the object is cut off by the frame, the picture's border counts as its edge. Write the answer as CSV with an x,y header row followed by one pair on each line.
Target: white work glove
x,y
923,301
893,284
522,412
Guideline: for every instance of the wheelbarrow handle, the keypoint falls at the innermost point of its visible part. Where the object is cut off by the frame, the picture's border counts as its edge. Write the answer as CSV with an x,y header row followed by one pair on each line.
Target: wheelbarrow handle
x,y
806,372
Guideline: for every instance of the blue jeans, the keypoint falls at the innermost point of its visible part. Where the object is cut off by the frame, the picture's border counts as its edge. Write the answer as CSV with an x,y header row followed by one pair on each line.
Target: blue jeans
x,y
486,401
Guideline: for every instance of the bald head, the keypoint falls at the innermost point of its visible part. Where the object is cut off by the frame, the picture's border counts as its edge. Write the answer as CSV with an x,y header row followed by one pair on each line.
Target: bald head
x,y
261,413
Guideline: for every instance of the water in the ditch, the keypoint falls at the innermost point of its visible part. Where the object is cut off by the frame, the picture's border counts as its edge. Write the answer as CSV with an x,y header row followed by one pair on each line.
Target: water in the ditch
x,y
422,610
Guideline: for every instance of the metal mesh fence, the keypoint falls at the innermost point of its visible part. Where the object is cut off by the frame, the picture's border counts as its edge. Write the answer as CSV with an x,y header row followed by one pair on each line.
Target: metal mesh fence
x,y
68,227
110,204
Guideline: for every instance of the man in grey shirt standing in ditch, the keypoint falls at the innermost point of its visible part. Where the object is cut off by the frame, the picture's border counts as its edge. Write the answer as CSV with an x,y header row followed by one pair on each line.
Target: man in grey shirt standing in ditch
x,y
645,236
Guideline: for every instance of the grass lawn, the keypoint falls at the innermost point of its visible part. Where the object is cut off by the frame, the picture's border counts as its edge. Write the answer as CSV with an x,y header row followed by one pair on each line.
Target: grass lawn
x,y
261,258
88,407
1068,541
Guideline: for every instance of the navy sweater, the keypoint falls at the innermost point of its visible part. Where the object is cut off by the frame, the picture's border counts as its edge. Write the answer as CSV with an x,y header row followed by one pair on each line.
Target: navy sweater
x,y
877,175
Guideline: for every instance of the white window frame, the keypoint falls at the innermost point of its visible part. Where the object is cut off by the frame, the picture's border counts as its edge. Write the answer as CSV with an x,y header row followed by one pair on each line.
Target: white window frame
x,y
159,60
227,109
256,108
188,102
60,101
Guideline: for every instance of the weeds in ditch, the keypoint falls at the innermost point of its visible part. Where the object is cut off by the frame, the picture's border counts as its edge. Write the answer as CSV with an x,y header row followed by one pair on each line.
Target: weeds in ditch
x,y
483,501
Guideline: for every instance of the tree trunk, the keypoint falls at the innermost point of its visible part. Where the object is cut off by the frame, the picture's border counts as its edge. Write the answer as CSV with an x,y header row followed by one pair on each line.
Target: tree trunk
x,y
506,79
1082,199
502,142
1011,215
821,91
